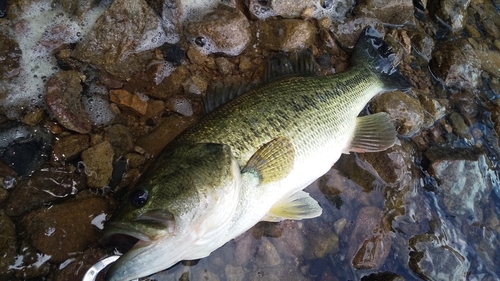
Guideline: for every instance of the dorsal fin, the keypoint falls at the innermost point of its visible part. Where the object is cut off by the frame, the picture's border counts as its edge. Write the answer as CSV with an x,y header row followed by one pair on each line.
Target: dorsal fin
x,y
299,63
219,94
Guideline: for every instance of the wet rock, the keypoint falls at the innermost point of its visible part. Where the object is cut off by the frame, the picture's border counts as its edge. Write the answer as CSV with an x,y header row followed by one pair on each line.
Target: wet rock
x,y
334,10
324,243
66,229
456,64
370,241
224,30
405,111
383,276
135,160
69,147
347,32
120,37
44,186
63,99
173,53
431,259
244,249
78,266
224,66
3,8
98,161
180,105
463,176
490,61
451,13
234,273
166,131
360,172
24,148
422,43
195,85
459,127
267,255
434,109
128,100
34,116
495,117
11,55
390,12
8,246
285,34
30,263
120,138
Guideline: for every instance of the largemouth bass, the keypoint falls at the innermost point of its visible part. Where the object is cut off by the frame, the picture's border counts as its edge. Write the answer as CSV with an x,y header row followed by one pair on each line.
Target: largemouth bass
x,y
248,161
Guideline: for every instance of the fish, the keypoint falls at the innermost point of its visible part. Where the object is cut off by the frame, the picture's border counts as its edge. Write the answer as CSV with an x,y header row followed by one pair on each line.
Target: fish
x,y
249,159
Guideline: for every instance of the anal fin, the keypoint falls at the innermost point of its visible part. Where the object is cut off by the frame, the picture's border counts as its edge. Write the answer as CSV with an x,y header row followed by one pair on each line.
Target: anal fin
x,y
273,161
373,133
295,207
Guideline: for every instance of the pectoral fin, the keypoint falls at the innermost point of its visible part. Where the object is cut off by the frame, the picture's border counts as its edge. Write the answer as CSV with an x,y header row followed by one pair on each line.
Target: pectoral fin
x,y
295,207
273,161
373,133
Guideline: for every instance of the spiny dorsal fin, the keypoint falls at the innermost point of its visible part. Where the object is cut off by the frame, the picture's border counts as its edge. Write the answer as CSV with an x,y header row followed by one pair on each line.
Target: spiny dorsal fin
x,y
295,207
300,63
373,133
273,161
219,94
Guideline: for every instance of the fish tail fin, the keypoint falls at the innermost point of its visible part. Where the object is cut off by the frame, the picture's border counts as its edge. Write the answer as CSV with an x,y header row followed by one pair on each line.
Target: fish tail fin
x,y
377,55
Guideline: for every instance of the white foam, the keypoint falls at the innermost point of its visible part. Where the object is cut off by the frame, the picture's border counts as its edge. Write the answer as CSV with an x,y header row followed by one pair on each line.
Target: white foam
x,y
97,107
39,27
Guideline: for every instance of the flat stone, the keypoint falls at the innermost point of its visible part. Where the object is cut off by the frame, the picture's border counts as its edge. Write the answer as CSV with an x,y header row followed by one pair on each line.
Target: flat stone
x,y
66,229
398,12
267,255
98,162
63,99
124,98
69,147
285,34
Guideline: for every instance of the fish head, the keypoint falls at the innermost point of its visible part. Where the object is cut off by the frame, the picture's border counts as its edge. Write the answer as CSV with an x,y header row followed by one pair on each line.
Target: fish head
x,y
179,210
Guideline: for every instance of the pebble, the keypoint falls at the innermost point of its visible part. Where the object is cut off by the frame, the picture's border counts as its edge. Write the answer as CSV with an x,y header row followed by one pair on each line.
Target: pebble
x,y
120,138
10,66
234,273
69,147
128,100
7,244
63,99
405,111
98,162
267,255
450,13
285,34
65,229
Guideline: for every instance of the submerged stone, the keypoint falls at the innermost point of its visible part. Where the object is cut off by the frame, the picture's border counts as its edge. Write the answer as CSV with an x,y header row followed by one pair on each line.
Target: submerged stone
x,y
98,161
44,186
463,176
285,34
450,13
431,259
390,12
383,276
66,229
8,246
69,147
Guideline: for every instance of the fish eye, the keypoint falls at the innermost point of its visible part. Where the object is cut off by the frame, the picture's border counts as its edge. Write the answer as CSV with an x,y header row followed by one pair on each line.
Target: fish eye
x,y
139,197
200,41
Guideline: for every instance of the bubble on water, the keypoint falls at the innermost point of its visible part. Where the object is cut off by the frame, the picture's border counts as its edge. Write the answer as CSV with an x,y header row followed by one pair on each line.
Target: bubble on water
x,y
97,107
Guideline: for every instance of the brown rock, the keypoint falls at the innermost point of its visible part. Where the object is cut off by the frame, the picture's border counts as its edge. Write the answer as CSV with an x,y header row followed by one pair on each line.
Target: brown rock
x,y
116,36
65,229
225,30
120,138
405,111
286,34
7,244
124,98
63,99
398,12
9,66
370,241
98,162
69,147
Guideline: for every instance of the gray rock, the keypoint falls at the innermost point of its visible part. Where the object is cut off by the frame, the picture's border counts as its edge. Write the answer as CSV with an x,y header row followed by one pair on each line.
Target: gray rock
x,y
267,255
347,32
63,99
456,64
44,186
422,43
234,273
370,241
285,34
405,111
451,13
431,259
120,38
391,12
98,161
463,176
224,30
